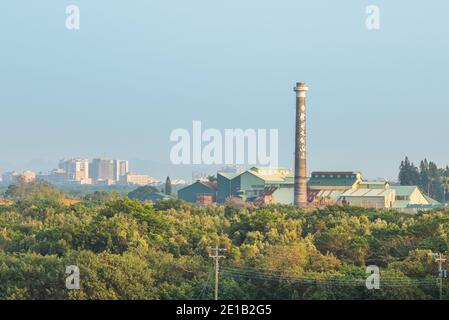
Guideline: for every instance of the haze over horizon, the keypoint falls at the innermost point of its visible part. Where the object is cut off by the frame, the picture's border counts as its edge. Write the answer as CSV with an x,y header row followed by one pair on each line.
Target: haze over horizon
x,y
119,85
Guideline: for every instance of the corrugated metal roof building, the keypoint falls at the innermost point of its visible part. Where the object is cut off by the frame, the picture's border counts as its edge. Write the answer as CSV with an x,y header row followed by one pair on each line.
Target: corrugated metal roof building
x,y
410,199
197,191
369,198
252,183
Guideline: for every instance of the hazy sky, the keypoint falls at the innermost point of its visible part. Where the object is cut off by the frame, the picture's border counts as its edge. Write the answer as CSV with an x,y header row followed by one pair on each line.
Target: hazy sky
x,y
138,69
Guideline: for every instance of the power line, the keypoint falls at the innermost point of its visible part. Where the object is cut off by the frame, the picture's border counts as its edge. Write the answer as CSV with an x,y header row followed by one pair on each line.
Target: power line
x,y
391,282
334,282
206,284
216,256
438,258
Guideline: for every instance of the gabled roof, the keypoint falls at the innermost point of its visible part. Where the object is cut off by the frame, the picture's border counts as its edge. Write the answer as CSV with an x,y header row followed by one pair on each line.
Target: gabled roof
x,y
337,178
271,178
404,190
208,184
332,194
229,175
367,193
272,175
211,185
374,183
407,191
431,201
334,172
268,175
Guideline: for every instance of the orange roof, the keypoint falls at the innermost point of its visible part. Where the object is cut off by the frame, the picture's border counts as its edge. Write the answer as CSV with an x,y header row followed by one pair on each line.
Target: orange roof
x,y
69,202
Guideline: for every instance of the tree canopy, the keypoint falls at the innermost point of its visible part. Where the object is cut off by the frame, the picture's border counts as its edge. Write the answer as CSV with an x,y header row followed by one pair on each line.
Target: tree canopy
x,y
432,180
129,249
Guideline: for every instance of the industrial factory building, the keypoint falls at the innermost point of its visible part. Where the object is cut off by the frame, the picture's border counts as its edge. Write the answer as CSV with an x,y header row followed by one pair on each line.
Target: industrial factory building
x,y
272,185
262,186
275,185
348,188
199,192
369,198
410,199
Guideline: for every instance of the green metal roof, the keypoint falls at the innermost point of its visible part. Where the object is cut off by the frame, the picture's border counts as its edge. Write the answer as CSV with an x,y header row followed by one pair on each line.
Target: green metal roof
x,y
229,175
274,179
431,201
404,190
332,181
367,193
333,178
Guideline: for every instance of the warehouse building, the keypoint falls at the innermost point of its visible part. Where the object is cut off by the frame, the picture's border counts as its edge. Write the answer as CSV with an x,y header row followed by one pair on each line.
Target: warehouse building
x,y
263,186
257,184
199,192
369,198
410,199
228,185
348,188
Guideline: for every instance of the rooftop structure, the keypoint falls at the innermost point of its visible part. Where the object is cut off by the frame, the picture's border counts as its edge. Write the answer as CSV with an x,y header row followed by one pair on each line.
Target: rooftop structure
x,y
369,198
255,182
410,199
334,180
136,179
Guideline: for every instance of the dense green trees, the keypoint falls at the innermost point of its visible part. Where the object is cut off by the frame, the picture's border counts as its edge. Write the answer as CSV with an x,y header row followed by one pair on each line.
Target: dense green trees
x,y
34,191
143,193
127,249
432,180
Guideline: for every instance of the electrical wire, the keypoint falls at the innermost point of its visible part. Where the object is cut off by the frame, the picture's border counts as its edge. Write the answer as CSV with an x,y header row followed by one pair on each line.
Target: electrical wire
x,y
206,284
390,282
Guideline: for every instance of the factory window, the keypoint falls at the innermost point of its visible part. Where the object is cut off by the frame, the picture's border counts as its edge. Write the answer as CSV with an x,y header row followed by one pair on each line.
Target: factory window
x,y
251,193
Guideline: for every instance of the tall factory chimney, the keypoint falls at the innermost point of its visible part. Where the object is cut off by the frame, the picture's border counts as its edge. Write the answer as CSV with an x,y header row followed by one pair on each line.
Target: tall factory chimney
x,y
300,193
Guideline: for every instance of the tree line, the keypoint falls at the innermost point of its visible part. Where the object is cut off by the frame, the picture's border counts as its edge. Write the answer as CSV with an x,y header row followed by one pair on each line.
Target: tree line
x,y
131,249
432,180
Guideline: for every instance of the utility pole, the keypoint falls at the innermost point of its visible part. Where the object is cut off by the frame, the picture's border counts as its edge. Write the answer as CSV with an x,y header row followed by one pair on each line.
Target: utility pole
x,y
216,256
444,191
441,273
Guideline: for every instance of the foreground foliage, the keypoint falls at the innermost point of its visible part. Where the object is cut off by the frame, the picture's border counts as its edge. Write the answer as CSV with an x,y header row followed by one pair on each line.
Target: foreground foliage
x,y
126,249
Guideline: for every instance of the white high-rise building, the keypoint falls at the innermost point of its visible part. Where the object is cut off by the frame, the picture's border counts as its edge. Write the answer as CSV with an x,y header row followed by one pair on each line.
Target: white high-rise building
x,y
121,168
76,169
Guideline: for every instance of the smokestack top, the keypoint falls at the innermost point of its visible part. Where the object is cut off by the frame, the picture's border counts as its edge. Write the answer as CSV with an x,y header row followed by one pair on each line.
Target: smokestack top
x,y
301,86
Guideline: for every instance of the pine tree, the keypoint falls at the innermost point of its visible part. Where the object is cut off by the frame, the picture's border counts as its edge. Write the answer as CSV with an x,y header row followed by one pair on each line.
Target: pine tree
x,y
408,173
168,186
424,182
